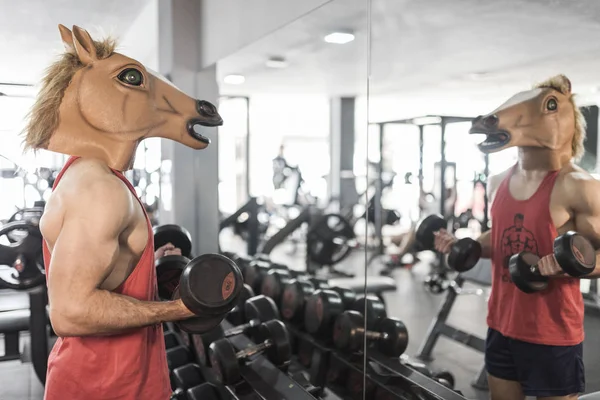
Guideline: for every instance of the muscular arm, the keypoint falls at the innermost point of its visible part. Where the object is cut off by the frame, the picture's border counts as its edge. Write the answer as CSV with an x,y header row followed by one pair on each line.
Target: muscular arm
x,y
85,253
585,205
486,237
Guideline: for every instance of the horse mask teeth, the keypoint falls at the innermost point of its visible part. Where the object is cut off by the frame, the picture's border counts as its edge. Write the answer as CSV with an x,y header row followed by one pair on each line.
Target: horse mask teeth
x,y
107,103
543,117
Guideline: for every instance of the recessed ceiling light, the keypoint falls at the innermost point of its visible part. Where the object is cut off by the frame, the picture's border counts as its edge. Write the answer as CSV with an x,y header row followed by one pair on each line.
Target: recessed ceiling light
x,y
234,79
276,62
339,37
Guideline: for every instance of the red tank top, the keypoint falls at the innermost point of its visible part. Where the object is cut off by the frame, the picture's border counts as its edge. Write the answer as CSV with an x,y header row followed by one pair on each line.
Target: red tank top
x,y
129,366
553,316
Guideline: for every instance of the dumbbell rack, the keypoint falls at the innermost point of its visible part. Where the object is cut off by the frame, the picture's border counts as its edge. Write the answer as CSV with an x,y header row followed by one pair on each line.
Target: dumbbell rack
x,y
439,327
267,380
382,371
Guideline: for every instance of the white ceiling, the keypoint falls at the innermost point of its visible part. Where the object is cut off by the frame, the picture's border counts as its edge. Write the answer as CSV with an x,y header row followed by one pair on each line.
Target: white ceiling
x,y
29,36
433,47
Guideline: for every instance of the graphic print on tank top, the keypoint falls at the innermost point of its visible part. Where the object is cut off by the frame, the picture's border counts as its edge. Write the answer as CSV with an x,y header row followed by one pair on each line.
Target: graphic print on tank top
x,y
515,239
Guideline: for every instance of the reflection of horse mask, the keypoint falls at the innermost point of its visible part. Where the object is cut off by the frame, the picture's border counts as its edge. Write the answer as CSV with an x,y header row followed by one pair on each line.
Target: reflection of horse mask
x,y
545,116
101,104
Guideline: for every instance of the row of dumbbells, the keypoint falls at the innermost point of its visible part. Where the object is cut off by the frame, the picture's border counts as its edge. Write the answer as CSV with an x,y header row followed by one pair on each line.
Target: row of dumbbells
x,y
334,314
214,350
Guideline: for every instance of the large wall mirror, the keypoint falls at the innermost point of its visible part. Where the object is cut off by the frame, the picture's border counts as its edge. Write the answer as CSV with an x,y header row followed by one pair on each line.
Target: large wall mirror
x,y
294,177
439,73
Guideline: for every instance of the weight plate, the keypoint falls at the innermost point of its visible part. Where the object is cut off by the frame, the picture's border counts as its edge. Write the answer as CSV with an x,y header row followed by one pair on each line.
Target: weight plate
x,y
199,348
347,331
519,267
168,273
177,235
273,283
327,241
375,310
575,254
280,352
262,308
396,342
424,234
464,254
24,256
320,312
224,362
294,298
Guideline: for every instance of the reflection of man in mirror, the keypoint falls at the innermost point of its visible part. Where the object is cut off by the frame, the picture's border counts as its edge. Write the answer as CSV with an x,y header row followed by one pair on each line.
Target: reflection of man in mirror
x,y
281,169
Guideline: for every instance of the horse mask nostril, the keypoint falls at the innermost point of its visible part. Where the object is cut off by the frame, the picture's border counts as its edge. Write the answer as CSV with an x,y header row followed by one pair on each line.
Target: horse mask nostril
x,y
205,108
490,121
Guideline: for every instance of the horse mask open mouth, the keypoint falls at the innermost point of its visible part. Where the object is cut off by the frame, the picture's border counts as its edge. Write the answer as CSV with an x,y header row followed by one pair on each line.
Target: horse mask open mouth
x,y
541,117
95,102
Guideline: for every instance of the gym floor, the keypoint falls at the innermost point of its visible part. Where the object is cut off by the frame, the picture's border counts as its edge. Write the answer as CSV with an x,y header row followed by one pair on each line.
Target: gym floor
x,y
410,302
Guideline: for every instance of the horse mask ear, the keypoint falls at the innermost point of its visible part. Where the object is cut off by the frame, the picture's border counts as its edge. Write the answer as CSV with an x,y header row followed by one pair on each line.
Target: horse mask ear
x,y
565,85
67,38
84,46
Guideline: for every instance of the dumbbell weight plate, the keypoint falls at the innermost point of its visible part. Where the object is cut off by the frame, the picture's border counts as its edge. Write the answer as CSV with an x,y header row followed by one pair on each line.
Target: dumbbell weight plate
x,y
205,391
575,254
177,235
464,254
178,356
294,298
320,312
236,315
519,267
424,234
348,296
397,337
168,273
262,308
187,376
375,310
280,352
346,330
224,362
273,283
210,284
211,336
254,274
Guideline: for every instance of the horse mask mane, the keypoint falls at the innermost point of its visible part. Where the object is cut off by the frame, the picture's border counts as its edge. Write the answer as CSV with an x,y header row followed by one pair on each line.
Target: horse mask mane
x,y
97,103
543,117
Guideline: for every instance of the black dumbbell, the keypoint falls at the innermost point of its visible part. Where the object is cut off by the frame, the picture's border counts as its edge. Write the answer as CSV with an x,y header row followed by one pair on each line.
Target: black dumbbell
x,y
276,344
178,356
464,254
209,286
297,291
262,308
236,315
186,377
323,307
274,282
574,253
390,334
445,378
177,235
205,391
172,339
435,283
218,332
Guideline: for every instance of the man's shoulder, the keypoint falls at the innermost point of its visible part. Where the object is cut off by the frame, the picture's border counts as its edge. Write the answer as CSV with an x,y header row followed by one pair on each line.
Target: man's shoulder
x,y
91,179
575,179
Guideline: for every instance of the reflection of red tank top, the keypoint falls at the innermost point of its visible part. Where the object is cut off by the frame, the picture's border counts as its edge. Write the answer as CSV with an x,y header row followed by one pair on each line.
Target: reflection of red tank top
x,y
129,366
553,316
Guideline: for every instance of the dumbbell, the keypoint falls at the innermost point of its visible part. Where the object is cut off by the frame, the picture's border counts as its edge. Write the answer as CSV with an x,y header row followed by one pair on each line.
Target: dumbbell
x,y
390,334
209,286
275,343
257,269
178,356
435,283
445,378
323,307
177,235
236,315
574,253
464,254
186,377
172,339
205,391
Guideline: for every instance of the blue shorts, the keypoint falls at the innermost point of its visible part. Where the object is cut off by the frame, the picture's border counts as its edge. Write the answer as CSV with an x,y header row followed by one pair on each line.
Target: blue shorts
x,y
541,370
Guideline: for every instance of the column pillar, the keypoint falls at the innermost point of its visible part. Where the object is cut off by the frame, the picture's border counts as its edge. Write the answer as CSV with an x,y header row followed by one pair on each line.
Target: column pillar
x,y
190,185
341,178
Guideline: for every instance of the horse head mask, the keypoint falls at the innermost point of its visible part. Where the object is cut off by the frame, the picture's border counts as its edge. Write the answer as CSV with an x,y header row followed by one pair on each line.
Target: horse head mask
x,y
544,117
97,103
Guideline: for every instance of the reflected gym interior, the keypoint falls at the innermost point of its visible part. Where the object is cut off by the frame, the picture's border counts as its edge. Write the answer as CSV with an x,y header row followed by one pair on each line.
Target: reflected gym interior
x,y
353,209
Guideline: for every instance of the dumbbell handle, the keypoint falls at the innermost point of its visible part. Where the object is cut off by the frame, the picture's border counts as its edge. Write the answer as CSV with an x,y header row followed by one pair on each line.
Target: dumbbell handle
x,y
238,330
250,351
372,334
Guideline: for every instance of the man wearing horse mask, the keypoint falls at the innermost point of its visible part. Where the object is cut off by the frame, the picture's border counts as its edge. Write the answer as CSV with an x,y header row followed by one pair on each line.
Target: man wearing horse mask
x,y
534,342
96,105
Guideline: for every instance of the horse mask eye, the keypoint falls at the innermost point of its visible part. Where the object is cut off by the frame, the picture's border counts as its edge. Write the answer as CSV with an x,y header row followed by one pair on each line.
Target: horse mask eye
x,y
551,105
131,76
